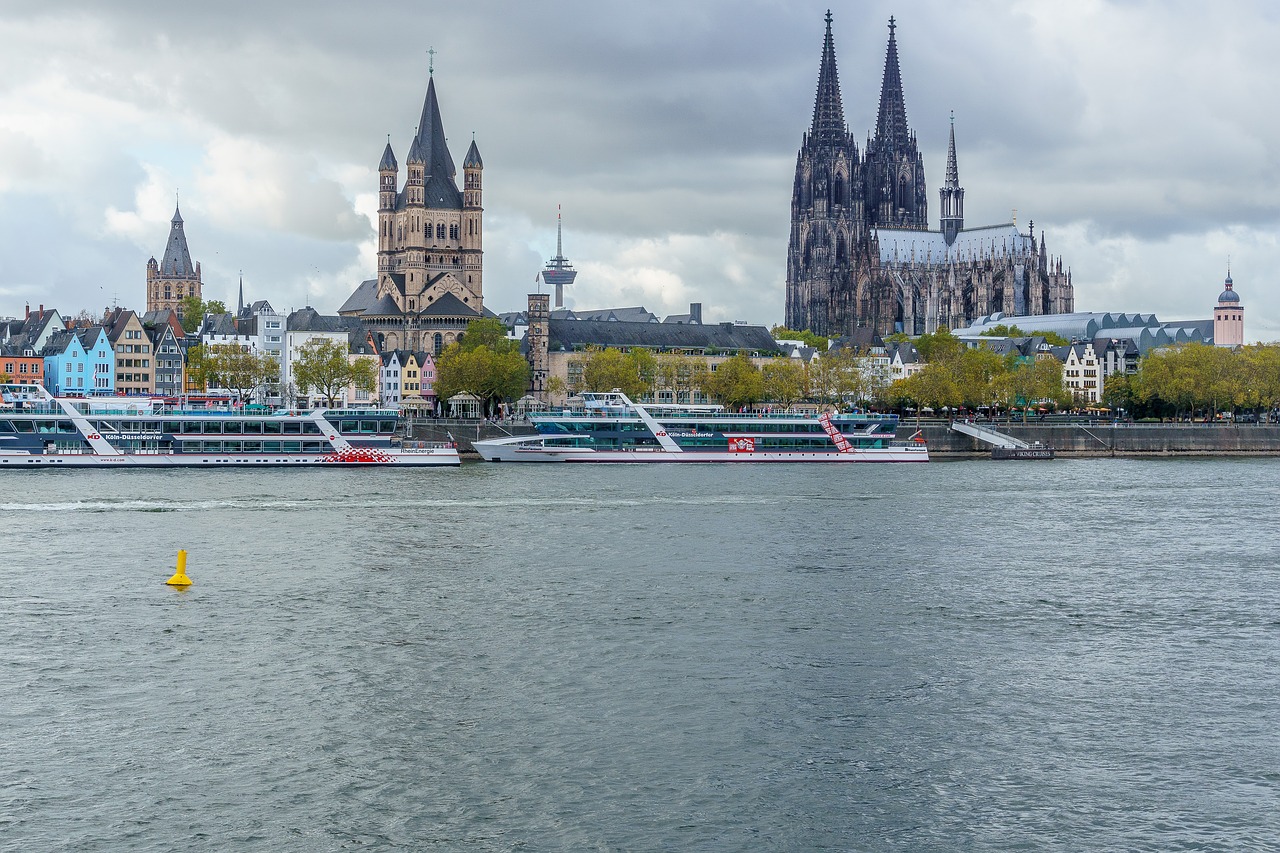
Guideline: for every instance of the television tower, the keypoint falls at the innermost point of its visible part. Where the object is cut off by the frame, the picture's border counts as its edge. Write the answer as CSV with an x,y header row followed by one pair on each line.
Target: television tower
x,y
559,271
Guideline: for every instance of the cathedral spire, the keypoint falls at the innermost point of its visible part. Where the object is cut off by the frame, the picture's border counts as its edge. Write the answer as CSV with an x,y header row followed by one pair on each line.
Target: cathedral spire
x,y
891,123
953,172
828,110
951,194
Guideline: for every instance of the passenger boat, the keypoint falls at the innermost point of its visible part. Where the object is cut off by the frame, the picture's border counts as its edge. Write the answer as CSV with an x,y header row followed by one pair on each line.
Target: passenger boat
x,y
38,430
612,428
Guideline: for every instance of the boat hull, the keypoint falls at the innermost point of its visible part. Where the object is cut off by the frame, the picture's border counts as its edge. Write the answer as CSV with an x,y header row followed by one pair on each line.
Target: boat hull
x,y
444,457
533,450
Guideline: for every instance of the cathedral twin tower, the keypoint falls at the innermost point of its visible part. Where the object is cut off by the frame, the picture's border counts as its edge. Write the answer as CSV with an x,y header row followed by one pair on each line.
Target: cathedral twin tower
x,y
861,253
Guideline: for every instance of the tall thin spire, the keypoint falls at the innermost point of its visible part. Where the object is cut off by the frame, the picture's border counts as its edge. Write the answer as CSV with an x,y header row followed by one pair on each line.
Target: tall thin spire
x,y
891,122
953,172
240,298
951,194
828,109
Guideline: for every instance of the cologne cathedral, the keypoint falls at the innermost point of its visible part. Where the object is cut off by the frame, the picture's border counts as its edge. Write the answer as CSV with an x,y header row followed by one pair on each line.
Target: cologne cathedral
x,y
861,253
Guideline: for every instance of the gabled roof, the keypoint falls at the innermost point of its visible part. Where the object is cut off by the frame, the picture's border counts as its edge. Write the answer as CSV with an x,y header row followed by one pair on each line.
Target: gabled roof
x,y
60,341
116,320
637,314
384,307
310,320
219,324
91,335
448,306
862,338
362,298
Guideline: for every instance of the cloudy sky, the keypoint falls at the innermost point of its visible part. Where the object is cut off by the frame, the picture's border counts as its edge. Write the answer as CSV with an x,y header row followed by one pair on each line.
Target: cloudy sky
x,y
1142,137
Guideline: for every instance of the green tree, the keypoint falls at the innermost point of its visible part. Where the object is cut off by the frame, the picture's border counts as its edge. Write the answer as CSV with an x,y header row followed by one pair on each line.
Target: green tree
x,y
940,346
234,367
484,363
784,381
192,310
607,369
323,367
735,382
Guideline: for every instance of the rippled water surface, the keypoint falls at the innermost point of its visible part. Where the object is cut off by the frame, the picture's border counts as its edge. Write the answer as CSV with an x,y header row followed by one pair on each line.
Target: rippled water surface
x,y
1078,655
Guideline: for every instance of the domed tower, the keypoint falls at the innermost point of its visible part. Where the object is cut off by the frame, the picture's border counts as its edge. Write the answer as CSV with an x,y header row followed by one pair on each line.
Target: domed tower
x,y
1228,317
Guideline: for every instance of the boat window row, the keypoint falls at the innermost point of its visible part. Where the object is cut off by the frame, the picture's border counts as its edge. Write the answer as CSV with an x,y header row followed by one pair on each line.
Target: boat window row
x,y
48,427
256,447
232,427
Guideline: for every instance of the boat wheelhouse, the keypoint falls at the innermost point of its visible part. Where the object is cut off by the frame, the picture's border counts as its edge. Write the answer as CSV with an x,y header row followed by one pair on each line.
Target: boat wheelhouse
x,y
38,430
612,428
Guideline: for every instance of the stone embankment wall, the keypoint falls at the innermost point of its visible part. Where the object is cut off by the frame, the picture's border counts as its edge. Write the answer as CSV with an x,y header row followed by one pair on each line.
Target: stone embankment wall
x,y
1096,439
464,432
1107,439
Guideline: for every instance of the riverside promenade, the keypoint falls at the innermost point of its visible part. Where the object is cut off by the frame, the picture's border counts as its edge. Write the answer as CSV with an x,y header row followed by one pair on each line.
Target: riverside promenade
x,y
1107,438
1084,438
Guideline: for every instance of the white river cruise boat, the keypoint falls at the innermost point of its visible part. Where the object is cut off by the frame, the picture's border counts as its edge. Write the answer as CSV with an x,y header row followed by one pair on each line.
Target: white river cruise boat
x,y
38,430
612,428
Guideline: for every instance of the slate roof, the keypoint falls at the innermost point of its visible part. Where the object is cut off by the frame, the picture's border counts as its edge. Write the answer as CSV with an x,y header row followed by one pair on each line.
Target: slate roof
x,y
362,298
473,160
219,324
430,148
567,334
388,161
384,307
59,341
862,338
637,314
448,306
310,320
177,258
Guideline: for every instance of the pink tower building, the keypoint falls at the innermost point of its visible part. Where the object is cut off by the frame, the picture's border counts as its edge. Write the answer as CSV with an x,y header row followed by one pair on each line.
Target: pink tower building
x,y
1228,318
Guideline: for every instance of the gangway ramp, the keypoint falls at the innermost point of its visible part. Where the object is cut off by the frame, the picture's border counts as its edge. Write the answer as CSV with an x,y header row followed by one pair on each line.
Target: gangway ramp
x,y
990,436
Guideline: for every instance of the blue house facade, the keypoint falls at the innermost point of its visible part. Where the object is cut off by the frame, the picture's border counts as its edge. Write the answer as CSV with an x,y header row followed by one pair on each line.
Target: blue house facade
x,y
80,363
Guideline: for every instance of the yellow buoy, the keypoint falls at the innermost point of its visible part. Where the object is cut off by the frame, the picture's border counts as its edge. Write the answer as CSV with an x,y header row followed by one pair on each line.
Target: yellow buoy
x,y
180,576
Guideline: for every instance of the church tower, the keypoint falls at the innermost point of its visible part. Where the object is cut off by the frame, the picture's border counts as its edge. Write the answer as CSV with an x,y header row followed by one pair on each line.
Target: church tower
x,y
174,278
430,241
952,195
895,169
827,207
1228,317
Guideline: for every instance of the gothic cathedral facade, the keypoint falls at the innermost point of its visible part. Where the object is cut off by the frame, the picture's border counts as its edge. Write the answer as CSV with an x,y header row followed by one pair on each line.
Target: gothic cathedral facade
x,y
861,254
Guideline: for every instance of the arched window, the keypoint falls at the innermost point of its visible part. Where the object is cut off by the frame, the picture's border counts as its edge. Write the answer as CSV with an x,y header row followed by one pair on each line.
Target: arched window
x,y
437,343
838,191
440,231
840,250
453,231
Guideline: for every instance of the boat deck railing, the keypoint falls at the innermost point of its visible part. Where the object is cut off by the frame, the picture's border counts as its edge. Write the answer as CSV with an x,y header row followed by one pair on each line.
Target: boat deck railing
x,y
655,411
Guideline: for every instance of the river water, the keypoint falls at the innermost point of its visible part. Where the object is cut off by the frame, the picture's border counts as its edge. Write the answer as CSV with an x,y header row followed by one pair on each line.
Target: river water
x,y
1076,655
